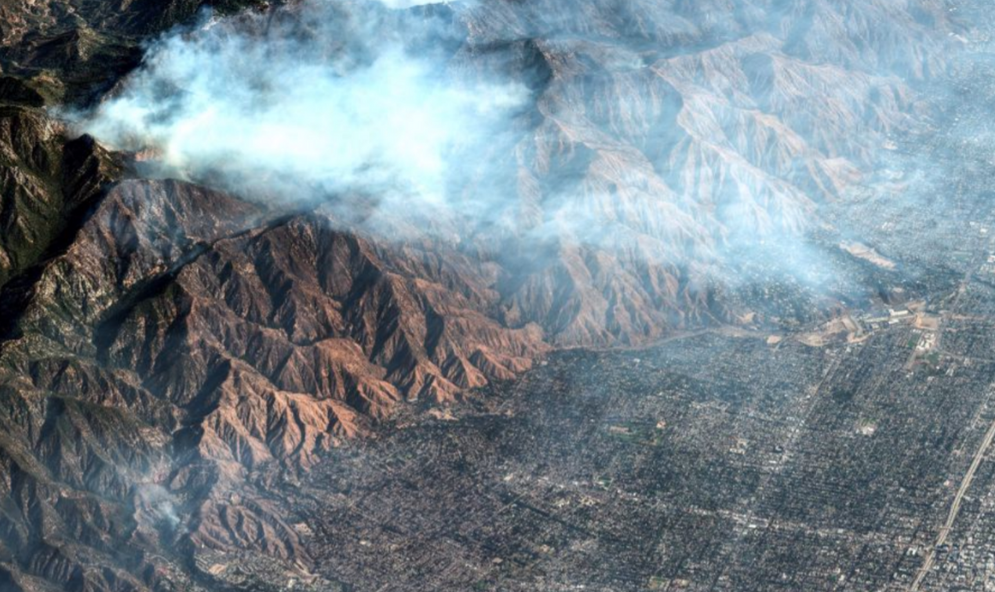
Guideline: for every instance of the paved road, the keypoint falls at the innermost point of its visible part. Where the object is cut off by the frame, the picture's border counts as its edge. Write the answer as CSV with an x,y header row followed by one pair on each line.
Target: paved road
x,y
965,484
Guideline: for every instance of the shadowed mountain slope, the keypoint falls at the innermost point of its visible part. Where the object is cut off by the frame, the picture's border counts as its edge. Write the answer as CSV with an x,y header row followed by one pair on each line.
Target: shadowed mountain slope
x,y
173,355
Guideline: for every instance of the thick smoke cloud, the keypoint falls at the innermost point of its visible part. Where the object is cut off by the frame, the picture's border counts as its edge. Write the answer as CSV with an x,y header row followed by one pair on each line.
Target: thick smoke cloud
x,y
312,102
398,4
669,135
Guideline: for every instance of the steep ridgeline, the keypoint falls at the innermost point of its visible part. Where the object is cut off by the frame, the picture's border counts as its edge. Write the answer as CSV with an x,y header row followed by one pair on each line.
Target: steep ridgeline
x,y
172,355
670,139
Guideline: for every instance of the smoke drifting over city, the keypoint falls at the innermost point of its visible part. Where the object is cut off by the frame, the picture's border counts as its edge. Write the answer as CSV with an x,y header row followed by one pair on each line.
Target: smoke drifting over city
x,y
503,295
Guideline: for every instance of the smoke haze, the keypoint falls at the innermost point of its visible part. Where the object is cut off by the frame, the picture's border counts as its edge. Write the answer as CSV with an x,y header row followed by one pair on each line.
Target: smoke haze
x,y
308,102
554,126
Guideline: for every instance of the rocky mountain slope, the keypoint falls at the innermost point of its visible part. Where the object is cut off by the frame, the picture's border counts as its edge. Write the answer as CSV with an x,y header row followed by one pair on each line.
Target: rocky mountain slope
x,y
172,354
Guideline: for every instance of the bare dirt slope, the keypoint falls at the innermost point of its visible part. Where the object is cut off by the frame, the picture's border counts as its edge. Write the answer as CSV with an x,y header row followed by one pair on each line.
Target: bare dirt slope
x,y
170,353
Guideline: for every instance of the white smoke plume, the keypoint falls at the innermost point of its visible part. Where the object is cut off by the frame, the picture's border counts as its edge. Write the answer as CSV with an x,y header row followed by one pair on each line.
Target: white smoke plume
x,y
541,124
322,99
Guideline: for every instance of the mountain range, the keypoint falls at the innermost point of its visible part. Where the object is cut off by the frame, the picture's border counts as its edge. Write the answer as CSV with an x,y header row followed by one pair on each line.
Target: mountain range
x,y
173,349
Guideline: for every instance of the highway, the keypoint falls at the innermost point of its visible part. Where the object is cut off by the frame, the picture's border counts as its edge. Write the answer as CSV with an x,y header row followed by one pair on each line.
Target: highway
x,y
965,484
